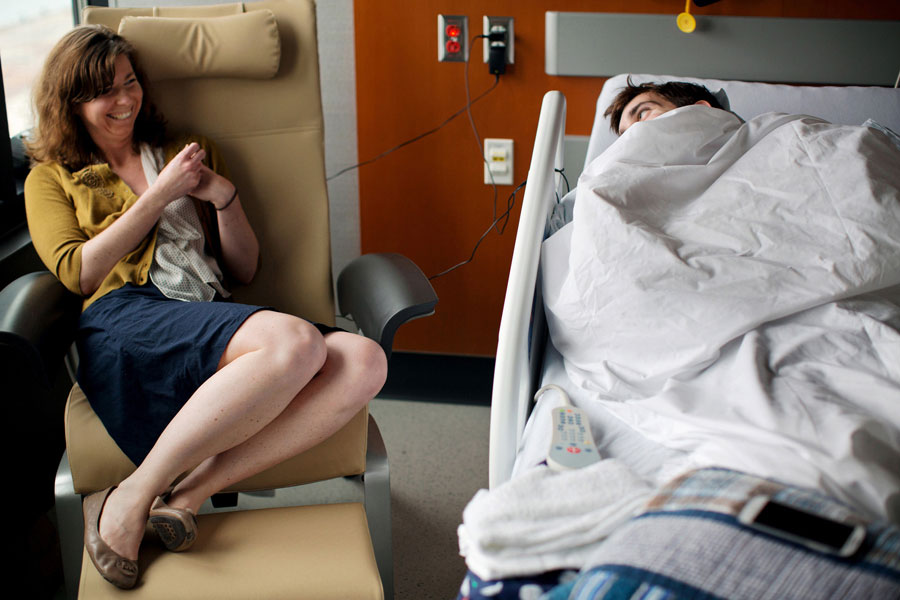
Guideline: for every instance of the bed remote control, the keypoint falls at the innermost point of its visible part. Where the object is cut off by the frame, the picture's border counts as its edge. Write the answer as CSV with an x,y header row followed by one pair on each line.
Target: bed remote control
x,y
572,445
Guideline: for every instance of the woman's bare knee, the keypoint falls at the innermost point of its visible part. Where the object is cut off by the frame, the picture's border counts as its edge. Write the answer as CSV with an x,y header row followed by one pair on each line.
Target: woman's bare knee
x,y
375,367
362,364
299,347
291,345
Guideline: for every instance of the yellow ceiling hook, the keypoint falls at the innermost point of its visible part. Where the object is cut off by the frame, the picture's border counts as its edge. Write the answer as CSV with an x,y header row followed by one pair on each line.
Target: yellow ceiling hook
x,y
685,20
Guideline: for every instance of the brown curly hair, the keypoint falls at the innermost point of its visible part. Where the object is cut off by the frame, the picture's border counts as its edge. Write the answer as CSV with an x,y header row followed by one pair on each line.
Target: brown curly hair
x,y
81,67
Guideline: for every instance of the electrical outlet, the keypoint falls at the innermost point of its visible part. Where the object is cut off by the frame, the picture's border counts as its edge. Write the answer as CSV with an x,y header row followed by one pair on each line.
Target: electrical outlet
x,y
453,32
498,155
496,25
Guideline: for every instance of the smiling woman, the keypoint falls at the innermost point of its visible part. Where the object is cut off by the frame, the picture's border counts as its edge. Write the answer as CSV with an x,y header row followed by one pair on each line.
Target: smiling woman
x,y
151,232
109,118
80,84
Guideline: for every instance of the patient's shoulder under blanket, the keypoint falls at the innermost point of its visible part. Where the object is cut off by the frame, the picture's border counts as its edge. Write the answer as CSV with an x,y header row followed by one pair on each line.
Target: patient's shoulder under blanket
x,y
694,228
728,293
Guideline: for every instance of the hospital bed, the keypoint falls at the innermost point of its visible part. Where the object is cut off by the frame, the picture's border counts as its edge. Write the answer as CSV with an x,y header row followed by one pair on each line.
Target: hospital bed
x,y
528,359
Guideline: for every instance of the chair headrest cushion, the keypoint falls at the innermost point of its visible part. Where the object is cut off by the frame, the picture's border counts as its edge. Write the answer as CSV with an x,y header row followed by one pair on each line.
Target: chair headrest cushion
x,y
246,45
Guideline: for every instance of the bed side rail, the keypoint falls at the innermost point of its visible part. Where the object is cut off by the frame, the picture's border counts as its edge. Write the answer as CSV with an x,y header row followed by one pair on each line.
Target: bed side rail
x,y
511,396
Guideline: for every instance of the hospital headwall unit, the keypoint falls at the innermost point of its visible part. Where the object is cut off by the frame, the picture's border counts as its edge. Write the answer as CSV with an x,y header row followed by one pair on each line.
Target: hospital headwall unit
x,y
858,52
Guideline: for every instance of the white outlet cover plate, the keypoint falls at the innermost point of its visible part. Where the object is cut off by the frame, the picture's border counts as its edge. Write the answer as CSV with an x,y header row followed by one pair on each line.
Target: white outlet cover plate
x,y
498,156
509,23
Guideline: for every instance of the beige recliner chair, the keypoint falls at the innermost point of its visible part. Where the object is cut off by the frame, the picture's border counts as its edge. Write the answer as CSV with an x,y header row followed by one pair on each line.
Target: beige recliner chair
x,y
246,75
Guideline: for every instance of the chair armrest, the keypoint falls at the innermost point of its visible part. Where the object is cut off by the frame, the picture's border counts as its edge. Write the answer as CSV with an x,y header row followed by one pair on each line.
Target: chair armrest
x,y
383,291
38,309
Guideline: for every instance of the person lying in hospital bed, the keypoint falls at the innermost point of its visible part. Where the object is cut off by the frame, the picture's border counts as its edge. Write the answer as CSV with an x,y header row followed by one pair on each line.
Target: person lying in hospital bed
x,y
637,103
728,290
707,288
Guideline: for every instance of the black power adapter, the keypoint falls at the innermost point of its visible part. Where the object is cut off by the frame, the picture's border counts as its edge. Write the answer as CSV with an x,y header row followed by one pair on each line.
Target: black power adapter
x,y
497,51
497,58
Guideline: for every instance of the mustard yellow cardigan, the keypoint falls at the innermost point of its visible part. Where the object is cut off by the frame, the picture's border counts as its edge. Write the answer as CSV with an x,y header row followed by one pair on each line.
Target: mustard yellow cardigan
x,y
66,209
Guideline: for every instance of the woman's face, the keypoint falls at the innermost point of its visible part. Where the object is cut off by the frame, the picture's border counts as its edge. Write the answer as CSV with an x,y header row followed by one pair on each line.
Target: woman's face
x,y
109,118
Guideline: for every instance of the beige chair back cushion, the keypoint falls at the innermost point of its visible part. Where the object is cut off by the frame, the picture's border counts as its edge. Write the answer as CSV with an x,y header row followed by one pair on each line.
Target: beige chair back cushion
x,y
271,134
243,46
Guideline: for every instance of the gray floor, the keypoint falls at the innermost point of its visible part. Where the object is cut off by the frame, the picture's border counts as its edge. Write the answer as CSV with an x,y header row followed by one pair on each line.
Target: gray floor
x,y
438,454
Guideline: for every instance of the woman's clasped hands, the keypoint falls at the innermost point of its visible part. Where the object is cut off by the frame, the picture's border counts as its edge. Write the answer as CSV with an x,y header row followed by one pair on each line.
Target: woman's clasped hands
x,y
186,175
182,174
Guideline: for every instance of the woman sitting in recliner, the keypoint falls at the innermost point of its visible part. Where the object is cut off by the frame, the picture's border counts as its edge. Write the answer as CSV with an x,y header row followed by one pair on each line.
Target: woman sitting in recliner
x,y
150,231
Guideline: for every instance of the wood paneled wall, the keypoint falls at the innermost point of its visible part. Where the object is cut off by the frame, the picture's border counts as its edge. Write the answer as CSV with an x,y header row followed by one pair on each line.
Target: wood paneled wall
x,y
427,200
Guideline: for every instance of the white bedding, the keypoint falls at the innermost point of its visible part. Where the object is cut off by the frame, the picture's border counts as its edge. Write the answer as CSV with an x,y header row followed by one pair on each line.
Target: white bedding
x,y
728,296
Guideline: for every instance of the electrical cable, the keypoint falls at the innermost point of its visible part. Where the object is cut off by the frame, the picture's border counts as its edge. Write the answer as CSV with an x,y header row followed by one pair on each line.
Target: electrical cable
x,y
467,107
468,110
509,206
475,129
566,179
510,203
559,390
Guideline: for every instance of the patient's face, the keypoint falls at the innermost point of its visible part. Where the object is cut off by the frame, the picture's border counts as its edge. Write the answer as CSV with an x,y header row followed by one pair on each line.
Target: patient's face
x,y
644,107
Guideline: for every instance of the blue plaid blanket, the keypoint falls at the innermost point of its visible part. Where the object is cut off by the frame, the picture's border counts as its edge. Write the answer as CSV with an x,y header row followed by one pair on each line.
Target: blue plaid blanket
x,y
688,543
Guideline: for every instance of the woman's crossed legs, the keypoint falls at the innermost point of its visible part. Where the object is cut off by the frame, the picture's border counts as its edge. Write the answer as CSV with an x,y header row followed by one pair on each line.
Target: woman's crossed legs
x,y
281,388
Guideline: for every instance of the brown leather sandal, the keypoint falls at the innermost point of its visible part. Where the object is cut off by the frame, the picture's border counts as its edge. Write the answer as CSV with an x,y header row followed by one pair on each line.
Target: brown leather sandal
x,y
119,571
176,527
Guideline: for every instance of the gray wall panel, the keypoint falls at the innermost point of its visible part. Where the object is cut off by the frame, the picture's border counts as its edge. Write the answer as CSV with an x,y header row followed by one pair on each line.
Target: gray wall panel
x,y
747,48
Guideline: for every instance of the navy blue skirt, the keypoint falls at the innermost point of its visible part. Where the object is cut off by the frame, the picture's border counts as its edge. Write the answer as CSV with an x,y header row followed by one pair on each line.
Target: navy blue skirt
x,y
142,355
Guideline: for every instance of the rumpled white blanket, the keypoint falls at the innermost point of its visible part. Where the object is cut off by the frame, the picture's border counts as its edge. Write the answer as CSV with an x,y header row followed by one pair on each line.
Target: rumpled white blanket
x,y
546,520
728,293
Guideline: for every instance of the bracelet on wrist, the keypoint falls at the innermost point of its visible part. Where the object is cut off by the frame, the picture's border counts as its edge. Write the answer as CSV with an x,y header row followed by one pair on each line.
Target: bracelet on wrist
x,y
230,200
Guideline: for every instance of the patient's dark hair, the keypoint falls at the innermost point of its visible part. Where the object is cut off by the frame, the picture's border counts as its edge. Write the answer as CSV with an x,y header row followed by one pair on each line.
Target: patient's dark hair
x,y
679,93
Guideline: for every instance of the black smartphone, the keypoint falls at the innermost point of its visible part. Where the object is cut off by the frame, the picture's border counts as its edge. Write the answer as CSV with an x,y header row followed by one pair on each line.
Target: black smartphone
x,y
802,527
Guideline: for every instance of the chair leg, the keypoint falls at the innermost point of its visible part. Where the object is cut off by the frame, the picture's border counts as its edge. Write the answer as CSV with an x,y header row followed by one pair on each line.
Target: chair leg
x,y
377,484
70,524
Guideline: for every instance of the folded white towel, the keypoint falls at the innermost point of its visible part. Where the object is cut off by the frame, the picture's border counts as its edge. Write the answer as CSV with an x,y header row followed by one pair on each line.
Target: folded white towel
x,y
544,519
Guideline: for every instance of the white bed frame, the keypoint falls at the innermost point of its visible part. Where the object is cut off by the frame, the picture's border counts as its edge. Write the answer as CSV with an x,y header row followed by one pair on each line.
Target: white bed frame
x,y
523,331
